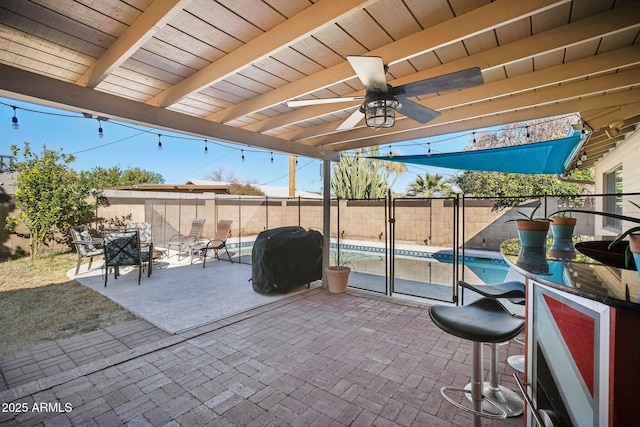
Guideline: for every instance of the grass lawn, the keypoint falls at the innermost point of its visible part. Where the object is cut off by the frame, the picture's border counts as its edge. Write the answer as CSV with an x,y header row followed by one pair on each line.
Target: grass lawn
x,y
39,303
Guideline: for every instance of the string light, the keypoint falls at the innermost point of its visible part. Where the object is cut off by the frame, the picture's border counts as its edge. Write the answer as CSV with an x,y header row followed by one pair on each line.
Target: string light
x,y
206,149
296,160
14,120
429,150
242,151
100,132
474,136
159,143
528,134
584,156
271,153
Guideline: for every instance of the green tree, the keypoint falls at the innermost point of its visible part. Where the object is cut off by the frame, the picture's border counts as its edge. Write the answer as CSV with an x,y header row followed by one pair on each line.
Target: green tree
x,y
431,185
361,177
48,196
132,176
100,178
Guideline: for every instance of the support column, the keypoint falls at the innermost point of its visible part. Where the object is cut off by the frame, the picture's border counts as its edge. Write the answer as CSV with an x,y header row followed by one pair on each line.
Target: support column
x,y
326,217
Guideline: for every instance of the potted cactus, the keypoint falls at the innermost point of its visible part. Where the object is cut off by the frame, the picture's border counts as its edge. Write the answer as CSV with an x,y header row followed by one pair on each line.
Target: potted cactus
x,y
531,230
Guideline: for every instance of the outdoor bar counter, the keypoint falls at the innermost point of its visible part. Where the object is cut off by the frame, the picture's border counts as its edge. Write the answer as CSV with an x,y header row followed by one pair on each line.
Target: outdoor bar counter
x,y
582,336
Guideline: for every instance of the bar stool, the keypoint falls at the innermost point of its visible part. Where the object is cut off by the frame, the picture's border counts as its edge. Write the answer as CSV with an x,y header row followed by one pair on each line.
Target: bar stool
x,y
484,320
506,398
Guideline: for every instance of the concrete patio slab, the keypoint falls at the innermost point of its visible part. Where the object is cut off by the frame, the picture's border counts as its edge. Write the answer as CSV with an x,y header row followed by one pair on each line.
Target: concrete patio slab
x,y
179,295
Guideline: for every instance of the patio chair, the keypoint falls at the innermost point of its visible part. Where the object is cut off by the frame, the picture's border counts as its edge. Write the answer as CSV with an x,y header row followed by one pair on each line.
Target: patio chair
x,y
85,244
183,242
146,238
219,241
122,248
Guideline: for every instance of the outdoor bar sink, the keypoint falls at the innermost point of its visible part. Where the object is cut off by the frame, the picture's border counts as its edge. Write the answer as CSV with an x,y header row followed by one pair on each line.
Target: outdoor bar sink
x,y
581,336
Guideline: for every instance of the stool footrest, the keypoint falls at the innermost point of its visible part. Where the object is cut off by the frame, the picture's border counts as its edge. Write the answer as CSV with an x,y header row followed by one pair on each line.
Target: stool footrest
x,y
501,415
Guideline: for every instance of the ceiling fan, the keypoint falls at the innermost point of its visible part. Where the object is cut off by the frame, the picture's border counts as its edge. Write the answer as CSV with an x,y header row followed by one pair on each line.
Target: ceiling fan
x,y
381,100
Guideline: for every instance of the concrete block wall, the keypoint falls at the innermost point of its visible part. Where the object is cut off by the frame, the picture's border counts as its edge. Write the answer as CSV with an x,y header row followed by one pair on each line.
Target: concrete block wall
x,y
418,221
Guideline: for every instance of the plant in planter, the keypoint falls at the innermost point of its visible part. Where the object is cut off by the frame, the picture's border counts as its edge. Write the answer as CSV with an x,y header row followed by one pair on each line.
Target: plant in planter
x,y
632,250
338,274
562,226
531,230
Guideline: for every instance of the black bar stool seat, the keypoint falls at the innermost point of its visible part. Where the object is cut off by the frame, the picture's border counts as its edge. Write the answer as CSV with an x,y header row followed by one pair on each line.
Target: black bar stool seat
x,y
483,321
509,400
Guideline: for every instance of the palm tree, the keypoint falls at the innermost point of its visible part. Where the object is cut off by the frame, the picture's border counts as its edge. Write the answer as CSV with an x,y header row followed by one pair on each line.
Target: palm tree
x,y
431,185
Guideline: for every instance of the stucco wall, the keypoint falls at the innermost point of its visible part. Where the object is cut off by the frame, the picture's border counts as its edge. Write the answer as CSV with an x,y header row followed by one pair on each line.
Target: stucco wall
x,y
627,155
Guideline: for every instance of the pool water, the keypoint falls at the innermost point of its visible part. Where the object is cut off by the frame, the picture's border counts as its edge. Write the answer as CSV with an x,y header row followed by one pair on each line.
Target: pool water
x,y
421,274
417,273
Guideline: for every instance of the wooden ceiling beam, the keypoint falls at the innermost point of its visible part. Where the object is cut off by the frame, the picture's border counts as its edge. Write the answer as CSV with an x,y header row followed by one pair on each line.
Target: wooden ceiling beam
x,y
475,117
485,18
536,80
31,87
306,22
558,38
156,16
621,112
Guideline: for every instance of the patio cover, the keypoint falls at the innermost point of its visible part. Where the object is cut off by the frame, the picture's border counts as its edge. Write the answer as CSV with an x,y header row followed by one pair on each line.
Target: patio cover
x,y
537,158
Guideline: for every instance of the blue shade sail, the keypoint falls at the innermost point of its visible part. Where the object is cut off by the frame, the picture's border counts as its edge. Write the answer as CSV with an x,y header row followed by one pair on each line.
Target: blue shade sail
x,y
547,157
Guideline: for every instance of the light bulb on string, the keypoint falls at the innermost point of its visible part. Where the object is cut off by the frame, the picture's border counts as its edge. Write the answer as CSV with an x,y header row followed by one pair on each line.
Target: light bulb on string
x,y
159,143
100,132
528,134
429,149
296,160
242,151
271,153
584,156
14,120
474,136
206,149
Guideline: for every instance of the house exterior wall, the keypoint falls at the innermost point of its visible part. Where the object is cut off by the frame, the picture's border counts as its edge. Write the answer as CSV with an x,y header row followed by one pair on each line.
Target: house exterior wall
x,y
627,155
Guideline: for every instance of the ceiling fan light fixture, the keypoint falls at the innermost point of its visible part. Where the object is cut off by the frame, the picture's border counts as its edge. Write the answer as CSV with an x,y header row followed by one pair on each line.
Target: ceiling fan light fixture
x,y
380,110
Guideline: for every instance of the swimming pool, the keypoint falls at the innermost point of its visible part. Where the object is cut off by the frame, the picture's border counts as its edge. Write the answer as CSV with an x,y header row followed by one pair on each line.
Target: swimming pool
x,y
418,272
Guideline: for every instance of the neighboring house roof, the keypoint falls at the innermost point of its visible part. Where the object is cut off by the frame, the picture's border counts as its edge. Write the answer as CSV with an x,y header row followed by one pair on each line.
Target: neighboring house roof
x,y
217,187
268,190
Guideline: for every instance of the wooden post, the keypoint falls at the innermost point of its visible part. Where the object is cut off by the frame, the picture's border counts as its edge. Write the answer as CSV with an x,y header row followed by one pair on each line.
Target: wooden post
x,y
292,176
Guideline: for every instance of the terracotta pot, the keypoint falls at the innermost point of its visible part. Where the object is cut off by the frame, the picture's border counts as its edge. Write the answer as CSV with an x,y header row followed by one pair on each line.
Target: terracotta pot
x,y
562,228
532,233
558,220
337,278
527,225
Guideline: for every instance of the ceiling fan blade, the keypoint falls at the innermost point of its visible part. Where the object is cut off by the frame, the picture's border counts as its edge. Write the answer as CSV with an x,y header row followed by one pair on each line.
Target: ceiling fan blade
x,y
417,112
458,80
370,71
352,120
305,102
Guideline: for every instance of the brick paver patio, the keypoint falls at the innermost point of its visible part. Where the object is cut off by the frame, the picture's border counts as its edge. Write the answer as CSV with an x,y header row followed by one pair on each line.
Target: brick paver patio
x,y
314,359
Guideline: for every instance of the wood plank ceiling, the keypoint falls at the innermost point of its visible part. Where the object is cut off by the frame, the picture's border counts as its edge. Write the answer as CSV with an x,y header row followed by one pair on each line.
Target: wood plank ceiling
x,y
225,69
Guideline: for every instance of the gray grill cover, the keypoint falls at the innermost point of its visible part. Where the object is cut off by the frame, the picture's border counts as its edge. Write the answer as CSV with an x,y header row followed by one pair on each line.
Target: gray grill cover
x,y
284,258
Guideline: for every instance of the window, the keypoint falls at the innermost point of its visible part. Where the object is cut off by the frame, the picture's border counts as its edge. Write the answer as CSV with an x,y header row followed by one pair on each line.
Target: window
x,y
613,203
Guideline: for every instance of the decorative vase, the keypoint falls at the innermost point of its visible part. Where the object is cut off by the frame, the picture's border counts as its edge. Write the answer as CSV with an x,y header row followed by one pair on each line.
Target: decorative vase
x,y
532,233
337,278
562,228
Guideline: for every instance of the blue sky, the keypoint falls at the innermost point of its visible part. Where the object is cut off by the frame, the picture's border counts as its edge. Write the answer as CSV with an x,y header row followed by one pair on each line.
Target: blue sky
x,y
182,157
